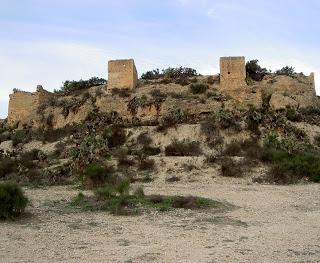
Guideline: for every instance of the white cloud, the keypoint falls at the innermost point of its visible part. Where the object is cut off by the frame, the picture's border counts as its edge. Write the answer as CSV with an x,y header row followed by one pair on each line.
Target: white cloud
x,y
28,64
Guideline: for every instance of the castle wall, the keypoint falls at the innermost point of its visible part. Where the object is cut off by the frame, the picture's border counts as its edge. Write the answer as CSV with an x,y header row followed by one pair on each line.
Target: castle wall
x,y
122,74
23,106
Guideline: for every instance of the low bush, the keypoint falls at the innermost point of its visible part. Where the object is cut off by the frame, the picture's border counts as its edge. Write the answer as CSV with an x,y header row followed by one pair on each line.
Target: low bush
x,y
120,202
286,71
198,88
279,174
144,139
150,151
72,86
174,117
146,164
21,136
122,93
12,200
230,168
7,166
183,148
156,93
115,135
96,176
255,71
233,149
302,164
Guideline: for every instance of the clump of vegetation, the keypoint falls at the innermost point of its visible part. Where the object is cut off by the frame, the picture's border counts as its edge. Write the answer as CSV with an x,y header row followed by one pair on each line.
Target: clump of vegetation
x,y
146,164
228,120
230,168
20,136
12,200
7,166
156,93
183,148
210,128
172,73
72,86
198,88
144,139
115,135
118,201
174,117
122,93
96,175
255,71
233,149
286,71
279,175
300,164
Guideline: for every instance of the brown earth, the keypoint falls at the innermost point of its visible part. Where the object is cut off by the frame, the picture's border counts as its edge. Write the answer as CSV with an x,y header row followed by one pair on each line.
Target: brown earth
x,y
267,224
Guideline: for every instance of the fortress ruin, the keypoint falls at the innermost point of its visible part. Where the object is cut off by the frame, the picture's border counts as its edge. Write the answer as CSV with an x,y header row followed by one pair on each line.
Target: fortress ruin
x,y
294,91
23,105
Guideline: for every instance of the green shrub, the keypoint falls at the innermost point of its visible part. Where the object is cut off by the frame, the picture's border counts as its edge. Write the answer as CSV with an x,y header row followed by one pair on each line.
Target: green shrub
x,y
123,187
96,175
72,86
303,164
20,136
255,71
7,166
198,88
12,200
183,148
286,71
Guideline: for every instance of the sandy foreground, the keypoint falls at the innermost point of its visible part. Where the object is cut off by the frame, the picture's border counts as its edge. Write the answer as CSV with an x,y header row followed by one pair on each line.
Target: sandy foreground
x,y
268,224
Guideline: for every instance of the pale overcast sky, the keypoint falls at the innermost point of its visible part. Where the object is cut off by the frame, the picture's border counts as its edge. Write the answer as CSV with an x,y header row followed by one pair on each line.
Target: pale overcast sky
x,y
49,41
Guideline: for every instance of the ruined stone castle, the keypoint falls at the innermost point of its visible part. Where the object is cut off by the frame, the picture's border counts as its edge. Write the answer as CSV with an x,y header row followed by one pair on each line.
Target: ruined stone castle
x,y
122,74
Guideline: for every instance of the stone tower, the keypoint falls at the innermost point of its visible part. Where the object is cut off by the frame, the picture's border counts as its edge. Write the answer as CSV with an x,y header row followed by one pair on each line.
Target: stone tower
x,y
122,74
232,73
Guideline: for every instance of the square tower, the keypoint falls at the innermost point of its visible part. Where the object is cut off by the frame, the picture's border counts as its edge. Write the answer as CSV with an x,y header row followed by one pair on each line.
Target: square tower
x,y
232,72
122,74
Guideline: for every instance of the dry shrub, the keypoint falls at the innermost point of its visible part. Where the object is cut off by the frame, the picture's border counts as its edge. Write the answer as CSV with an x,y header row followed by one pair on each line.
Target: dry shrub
x,y
230,168
279,175
183,148
144,139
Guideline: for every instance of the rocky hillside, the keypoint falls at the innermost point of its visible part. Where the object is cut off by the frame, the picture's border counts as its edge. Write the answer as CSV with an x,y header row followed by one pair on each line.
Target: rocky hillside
x,y
170,129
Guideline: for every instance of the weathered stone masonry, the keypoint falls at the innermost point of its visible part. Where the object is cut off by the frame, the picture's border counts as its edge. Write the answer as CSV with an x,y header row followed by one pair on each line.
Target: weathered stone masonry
x,y
23,106
297,91
122,74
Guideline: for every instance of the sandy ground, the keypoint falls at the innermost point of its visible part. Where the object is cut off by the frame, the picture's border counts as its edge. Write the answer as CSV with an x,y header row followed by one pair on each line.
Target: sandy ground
x,y
269,224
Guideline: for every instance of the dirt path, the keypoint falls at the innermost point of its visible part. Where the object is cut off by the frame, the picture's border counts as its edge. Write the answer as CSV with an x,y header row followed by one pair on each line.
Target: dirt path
x,y
271,224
